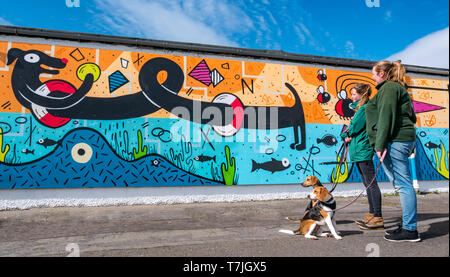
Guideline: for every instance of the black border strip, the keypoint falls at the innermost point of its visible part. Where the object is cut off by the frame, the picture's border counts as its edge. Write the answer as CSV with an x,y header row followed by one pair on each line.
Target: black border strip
x,y
210,49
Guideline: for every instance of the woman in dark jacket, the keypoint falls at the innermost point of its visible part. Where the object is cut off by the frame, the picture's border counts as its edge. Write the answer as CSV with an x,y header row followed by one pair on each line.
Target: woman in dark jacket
x,y
390,126
361,154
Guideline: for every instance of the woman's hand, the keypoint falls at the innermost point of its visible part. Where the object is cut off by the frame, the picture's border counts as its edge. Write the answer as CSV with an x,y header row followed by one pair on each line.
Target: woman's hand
x,y
347,139
381,154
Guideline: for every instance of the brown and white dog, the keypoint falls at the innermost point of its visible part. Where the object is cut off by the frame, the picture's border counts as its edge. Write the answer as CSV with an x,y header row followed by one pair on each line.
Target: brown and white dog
x,y
311,181
318,213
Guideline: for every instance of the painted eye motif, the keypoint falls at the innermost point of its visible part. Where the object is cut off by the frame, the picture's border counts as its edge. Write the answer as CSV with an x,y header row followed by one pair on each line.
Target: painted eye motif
x,y
320,89
342,94
155,162
81,153
285,162
31,58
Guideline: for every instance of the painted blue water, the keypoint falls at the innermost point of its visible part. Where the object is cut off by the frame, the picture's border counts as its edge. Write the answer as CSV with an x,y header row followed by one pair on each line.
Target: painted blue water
x,y
84,159
198,149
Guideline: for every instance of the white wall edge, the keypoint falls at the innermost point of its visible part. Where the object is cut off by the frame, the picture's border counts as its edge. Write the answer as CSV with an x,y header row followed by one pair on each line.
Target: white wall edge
x,y
38,198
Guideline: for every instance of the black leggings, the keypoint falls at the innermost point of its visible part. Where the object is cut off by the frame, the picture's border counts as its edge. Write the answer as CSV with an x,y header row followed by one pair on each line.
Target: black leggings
x,y
367,171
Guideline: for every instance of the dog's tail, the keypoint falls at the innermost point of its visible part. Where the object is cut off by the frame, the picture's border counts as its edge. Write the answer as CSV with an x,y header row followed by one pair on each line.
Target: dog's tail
x,y
289,232
294,220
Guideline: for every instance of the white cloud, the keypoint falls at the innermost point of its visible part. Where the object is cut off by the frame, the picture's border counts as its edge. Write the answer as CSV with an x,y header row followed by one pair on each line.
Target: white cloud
x,y
431,50
388,16
349,47
304,35
4,22
200,21
300,35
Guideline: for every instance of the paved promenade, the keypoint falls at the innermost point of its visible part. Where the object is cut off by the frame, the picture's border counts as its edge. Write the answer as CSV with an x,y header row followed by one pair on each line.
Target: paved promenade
x,y
237,229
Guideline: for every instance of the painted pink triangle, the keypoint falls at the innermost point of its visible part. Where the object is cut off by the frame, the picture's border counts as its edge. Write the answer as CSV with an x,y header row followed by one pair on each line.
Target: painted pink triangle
x,y
201,73
421,107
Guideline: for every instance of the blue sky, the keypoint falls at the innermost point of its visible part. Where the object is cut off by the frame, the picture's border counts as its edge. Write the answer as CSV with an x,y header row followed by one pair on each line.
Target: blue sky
x,y
415,31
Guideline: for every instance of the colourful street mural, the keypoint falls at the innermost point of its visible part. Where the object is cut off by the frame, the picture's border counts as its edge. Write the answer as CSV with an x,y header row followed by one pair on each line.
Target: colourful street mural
x,y
73,117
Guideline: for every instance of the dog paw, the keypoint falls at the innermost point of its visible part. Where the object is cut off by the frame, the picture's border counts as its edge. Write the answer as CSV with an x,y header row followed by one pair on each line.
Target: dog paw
x,y
338,237
312,237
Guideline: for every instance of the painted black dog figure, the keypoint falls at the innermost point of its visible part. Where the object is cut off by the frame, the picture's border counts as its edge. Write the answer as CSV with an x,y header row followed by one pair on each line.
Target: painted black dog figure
x,y
61,106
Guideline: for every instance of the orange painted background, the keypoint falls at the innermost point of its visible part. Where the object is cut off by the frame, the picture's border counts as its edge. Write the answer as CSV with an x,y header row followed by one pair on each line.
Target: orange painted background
x,y
324,94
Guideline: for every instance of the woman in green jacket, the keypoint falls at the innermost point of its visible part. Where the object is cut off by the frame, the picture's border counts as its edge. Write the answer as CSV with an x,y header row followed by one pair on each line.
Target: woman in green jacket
x,y
390,126
361,154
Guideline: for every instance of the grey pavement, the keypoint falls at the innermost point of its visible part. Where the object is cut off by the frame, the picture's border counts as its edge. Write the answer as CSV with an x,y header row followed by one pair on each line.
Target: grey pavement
x,y
236,229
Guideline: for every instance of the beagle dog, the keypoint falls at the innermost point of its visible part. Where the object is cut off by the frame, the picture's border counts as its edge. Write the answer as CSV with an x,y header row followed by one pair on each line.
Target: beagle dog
x,y
311,181
318,213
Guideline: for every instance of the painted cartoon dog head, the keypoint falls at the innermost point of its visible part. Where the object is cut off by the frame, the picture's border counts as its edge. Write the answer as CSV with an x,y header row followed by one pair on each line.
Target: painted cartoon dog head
x,y
30,62
39,97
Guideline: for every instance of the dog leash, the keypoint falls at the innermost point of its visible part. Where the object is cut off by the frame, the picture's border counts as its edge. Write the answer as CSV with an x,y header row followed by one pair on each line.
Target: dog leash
x,y
371,183
344,149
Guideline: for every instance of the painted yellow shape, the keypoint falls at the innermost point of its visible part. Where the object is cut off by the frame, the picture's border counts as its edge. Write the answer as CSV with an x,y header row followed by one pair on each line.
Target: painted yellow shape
x,y
3,150
87,68
442,168
342,175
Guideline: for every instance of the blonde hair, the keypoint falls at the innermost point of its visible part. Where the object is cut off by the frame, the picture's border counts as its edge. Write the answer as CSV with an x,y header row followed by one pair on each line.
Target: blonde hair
x,y
365,91
395,71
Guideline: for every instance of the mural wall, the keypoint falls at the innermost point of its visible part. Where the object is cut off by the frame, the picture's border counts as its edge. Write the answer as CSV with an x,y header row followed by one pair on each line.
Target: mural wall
x,y
73,117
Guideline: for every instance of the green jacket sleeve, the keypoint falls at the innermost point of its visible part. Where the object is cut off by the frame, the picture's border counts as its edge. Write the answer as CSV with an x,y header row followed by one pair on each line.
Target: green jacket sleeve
x,y
371,120
387,112
358,123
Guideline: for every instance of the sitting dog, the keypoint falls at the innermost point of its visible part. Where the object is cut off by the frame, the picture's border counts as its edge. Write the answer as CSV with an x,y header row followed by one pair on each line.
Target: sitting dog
x,y
311,181
318,213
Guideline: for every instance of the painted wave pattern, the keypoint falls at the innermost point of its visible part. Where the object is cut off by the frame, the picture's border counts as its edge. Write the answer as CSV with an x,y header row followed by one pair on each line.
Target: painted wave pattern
x,y
85,159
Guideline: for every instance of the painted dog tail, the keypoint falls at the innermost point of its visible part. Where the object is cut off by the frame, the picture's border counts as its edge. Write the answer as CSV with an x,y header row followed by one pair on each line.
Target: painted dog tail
x,y
298,102
165,95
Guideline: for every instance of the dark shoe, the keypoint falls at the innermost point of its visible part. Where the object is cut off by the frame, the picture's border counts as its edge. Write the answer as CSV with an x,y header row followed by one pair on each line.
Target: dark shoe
x,y
366,219
390,232
375,223
403,235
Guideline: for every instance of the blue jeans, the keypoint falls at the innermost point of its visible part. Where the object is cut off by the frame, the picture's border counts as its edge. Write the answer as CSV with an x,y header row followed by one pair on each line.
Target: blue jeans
x,y
396,165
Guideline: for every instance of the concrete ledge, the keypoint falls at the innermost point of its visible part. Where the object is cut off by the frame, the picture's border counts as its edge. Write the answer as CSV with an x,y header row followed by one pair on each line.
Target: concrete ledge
x,y
34,198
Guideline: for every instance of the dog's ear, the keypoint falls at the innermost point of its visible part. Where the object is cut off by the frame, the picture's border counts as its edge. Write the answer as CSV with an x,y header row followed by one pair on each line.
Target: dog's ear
x,y
315,181
323,194
319,183
13,54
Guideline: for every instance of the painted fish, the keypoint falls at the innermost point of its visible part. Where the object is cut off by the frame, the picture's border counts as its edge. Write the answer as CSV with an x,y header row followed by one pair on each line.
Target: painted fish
x,y
328,140
27,151
272,166
47,142
431,145
203,158
83,159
